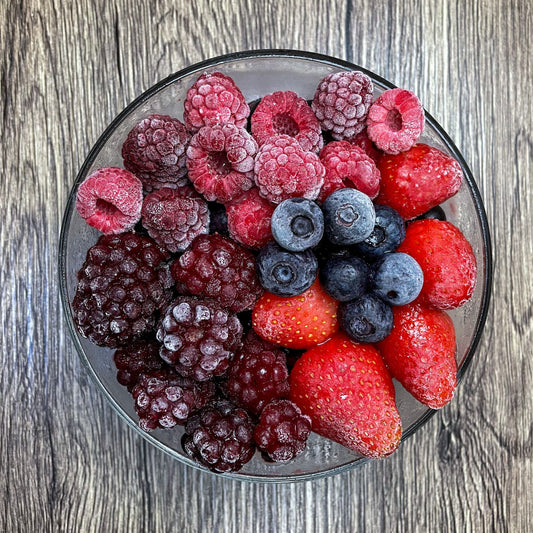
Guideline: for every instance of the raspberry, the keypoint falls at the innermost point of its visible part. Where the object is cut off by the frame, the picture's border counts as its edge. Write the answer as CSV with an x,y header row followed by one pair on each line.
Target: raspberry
x,y
132,361
284,170
216,267
249,219
154,151
282,431
362,140
284,112
122,285
395,121
164,399
257,375
110,200
174,217
348,165
199,337
214,99
341,103
220,437
220,160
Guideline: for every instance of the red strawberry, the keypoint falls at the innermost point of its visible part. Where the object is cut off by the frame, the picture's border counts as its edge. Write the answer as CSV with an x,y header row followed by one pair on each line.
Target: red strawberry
x,y
420,353
297,321
347,391
414,181
447,261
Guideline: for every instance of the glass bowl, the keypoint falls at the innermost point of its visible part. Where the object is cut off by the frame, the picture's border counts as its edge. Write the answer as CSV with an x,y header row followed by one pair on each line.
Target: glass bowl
x,y
258,73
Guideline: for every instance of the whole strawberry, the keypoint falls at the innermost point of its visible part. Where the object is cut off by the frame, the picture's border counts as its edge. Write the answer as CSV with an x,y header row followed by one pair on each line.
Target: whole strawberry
x,y
414,181
347,391
420,353
447,261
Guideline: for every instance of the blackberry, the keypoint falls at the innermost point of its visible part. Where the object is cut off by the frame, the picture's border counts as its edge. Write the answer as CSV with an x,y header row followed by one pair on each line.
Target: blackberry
x,y
216,267
164,399
122,285
282,431
220,437
199,337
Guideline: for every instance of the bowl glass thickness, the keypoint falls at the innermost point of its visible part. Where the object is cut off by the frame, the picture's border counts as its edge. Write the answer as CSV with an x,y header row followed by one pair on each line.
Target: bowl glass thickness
x,y
256,74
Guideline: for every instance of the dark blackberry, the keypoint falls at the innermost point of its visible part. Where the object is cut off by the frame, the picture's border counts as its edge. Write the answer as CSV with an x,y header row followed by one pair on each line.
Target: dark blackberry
x,y
216,267
282,431
164,399
220,437
122,285
199,337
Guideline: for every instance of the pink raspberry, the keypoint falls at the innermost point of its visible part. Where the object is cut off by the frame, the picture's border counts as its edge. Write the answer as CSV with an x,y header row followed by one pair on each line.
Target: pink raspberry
x,y
249,219
214,99
154,151
347,165
220,160
395,121
284,170
341,103
174,217
110,200
284,112
362,140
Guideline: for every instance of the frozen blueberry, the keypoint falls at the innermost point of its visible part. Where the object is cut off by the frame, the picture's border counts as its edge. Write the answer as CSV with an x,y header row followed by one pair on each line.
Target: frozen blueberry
x,y
349,216
345,278
285,273
297,224
367,319
435,212
387,235
397,278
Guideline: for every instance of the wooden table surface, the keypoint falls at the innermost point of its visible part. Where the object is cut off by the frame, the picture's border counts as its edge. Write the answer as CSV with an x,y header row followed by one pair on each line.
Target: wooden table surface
x,y
68,462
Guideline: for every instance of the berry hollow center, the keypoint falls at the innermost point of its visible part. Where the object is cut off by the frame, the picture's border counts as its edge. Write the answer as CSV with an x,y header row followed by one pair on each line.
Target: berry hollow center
x,y
301,226
347,215
394,120
218,162
285,124
107,209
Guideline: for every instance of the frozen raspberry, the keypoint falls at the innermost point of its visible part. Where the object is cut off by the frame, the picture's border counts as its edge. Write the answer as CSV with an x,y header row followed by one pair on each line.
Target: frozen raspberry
x,y
122,285
368,147
284,170
220,160
163,399
110,200
220,437
216,267
348,165
395,121
341,103
154,151
257,375
134,360
214,99
199,337
282,431
174,217
249,219
284,112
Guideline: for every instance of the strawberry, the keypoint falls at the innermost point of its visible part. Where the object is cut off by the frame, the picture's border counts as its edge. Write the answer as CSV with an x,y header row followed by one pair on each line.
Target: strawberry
x,y
447,261
347,391
414,181
420,353
296,321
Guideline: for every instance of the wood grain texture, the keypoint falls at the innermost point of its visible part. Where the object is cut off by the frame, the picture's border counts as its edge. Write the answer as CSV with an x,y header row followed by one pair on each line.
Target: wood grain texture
x,y
68,463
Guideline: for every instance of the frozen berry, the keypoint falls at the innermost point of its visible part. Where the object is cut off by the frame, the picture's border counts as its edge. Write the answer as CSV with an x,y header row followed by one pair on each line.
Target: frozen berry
x,y
110,200
284,170
369,148
345,278
284,112
154,151
395,121
220,160
218,218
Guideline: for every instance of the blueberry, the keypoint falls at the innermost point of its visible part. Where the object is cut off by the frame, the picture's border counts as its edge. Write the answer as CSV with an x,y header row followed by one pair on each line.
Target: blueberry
x,y
435,212
349,216
297,224
397,278
285,273
345,278
367,319
218,219
387,235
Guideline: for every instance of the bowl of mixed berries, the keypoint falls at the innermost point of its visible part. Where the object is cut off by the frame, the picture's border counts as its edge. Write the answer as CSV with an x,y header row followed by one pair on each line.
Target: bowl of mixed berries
x,y
275,265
